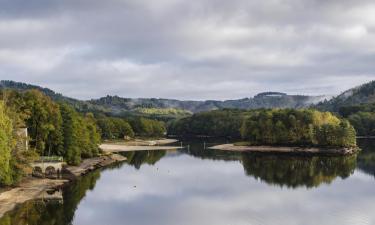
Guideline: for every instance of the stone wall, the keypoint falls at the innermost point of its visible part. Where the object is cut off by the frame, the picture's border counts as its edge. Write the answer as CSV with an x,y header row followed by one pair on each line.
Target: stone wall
x,y
22,139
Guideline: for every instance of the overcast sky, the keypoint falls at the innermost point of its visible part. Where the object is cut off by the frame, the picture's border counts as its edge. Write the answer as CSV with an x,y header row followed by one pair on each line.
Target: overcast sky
x,y
198,49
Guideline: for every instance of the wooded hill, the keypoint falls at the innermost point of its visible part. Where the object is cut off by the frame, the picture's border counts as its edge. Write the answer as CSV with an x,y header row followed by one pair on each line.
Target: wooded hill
x,y
170,108
363,94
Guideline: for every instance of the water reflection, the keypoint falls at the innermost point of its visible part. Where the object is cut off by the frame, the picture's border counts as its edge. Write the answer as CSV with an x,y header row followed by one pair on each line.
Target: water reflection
x,y
289,171
138,158
293,171
201,186
43,212
366,159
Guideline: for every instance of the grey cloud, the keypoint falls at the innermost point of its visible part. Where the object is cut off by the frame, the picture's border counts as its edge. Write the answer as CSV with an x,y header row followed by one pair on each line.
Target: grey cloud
x,y
210,49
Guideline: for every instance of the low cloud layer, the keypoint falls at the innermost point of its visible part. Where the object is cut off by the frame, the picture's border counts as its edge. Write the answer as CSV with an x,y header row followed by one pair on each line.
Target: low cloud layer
x,y
209,49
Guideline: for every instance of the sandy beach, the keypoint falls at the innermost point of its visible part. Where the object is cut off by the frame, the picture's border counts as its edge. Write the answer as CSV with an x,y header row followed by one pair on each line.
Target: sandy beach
x,y
139,145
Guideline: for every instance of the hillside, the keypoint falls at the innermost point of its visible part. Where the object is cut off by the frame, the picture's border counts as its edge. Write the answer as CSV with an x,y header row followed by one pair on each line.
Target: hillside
x,y
82,106
171,107
262,100
364,94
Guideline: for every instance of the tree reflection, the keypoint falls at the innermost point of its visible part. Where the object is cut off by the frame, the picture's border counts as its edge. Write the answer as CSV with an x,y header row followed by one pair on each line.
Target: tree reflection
x,y
53,213
366,158
296,171
138,158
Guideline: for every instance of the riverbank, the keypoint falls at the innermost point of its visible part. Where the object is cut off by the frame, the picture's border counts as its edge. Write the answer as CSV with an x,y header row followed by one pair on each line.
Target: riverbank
x,y
139,145
285,150
33,188
144,142
91,164
29,189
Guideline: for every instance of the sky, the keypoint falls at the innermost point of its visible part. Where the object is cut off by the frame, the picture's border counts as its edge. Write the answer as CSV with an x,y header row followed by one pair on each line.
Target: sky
x,y
206,49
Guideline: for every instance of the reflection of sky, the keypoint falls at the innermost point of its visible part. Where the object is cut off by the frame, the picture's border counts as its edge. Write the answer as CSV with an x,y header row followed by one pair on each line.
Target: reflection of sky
x,y
184,190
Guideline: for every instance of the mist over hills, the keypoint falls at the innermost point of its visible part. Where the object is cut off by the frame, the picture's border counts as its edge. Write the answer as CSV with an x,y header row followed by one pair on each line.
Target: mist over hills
x,y
116,104
363,94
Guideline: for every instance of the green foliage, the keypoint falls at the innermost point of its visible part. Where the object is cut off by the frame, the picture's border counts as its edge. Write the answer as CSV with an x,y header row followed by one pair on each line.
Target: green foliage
x,y
114,128
272,127
297,127
20,163
40,114
54,129
71,132
6,145
81,106
163,111
364,123
81,137
14,164
362,117
218,123
92,134
148,128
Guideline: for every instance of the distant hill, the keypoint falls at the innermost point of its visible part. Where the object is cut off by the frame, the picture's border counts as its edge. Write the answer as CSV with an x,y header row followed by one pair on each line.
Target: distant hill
x,y
363,94
263,100
82,106
147,106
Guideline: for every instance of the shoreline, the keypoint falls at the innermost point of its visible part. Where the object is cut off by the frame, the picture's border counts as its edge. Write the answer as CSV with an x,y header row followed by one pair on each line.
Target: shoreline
x,y
31,188
139,145
286,150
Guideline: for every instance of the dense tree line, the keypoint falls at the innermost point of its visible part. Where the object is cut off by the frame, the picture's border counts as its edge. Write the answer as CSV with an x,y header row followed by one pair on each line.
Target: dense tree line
x,y
364,123
362,117
218,123
13,163
54,129
148,128
113,128
270,126
297,127
356,105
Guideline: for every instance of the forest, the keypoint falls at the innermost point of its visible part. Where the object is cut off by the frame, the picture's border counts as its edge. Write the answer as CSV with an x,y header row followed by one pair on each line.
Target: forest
x,y
304,127
56,128
298,128
362,117
217,123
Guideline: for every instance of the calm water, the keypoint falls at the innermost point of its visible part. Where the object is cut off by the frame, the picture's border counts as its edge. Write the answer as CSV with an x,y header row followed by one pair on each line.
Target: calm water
x,y
212,187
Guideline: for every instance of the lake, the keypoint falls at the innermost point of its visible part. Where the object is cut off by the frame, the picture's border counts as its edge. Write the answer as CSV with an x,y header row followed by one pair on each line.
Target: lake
x,y
198,186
